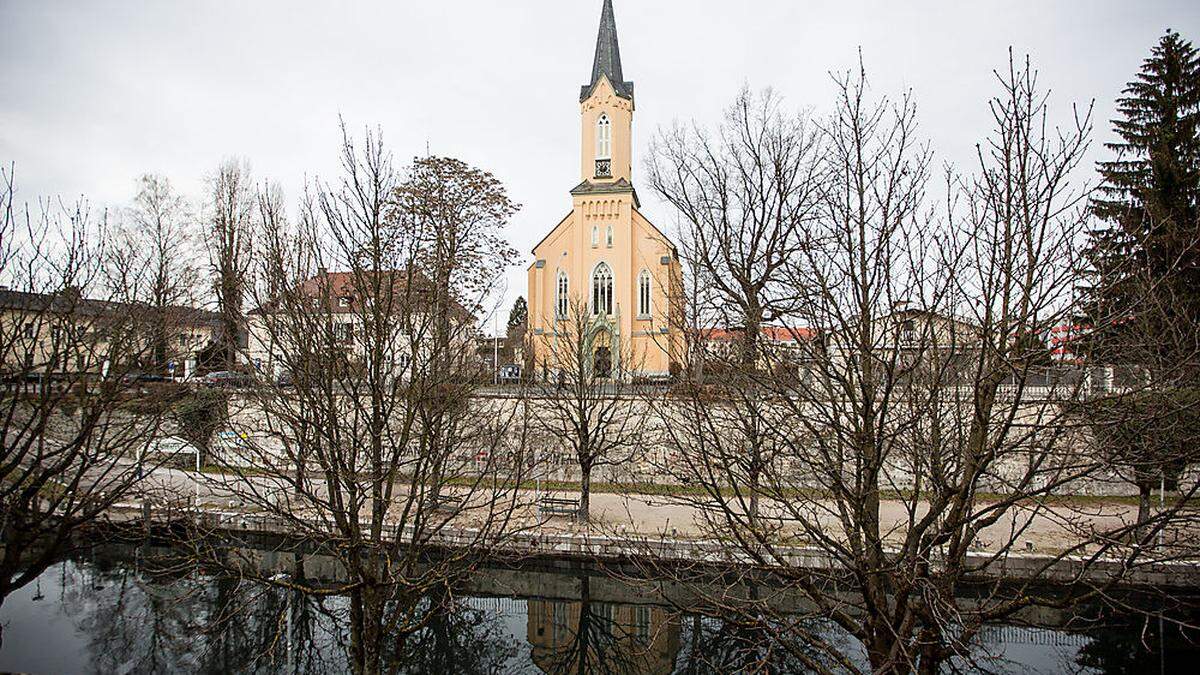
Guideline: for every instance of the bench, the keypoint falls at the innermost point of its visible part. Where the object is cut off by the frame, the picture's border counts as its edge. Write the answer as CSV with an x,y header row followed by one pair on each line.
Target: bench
x,y
564,507
448,503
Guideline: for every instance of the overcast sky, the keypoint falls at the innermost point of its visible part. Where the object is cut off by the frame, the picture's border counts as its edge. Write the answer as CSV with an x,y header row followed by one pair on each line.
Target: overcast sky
x,y
92,94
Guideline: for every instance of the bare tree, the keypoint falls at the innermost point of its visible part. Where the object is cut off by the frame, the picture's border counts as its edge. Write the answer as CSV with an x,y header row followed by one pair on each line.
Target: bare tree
x,y
744,195
229,238
914,453
153,262
71,427
346,463
452,216
457,213
589,401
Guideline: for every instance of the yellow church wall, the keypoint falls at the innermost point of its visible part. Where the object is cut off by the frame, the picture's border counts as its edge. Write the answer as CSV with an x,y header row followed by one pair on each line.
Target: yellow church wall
x,y
636,246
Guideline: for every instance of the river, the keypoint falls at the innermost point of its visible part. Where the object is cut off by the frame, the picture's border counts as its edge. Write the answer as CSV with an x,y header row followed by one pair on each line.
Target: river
x,y
103,611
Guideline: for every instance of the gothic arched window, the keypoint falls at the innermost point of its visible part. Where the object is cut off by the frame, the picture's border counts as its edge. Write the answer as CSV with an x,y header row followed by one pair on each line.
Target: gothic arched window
x,y
561,296
595,236
603,138
602,290
608,236
644,308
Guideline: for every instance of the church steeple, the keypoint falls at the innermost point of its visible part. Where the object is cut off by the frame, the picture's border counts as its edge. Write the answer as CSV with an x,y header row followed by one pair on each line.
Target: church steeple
x,y
606,109
608,58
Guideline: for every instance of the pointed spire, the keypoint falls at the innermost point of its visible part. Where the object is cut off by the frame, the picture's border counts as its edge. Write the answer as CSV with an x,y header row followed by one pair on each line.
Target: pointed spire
x,y
608,57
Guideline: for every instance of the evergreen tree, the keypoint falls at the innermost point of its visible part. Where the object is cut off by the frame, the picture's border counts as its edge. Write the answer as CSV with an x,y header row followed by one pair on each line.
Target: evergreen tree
x,y
1143,299
518,315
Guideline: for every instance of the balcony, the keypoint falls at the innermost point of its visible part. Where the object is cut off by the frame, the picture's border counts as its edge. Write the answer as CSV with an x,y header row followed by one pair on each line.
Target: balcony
x,y
604,168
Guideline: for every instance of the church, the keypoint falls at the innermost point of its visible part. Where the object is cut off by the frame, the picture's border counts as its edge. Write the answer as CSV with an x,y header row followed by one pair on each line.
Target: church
x,y
605,268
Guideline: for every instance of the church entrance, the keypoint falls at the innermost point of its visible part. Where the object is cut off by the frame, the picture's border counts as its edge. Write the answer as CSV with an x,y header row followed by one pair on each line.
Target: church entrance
x,y
602,365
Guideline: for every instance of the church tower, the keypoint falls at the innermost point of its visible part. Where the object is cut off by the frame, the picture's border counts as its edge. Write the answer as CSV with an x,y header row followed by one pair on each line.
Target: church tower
x,y
606,111
605,260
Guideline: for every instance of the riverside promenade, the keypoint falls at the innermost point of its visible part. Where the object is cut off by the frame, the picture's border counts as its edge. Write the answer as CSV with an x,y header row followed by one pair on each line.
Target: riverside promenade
x,y
659,528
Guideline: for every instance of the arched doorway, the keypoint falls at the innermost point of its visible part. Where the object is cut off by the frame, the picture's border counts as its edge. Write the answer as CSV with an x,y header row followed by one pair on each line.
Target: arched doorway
x,y
602,362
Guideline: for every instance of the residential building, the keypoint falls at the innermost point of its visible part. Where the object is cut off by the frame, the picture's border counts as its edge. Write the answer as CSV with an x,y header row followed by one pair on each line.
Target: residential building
x,y
779,347
343,300
64,332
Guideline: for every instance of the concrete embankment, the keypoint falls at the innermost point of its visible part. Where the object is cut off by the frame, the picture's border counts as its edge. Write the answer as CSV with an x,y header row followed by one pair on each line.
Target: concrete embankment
x,y
589,547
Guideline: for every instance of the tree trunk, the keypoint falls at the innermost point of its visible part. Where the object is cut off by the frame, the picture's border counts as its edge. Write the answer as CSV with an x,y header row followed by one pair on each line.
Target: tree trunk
x,y
364,632
230,339
931,653
1144,491
584,629
749,355
585,492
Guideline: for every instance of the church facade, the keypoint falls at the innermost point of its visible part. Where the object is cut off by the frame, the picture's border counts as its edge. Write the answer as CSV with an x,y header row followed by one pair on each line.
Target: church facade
x,y
606,287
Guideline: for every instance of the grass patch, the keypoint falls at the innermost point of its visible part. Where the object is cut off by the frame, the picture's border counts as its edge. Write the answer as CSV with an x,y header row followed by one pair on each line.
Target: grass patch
x,y
674,490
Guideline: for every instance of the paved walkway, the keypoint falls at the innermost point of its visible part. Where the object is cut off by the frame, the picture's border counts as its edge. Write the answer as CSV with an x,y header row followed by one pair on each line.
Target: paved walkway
x,y
1048,531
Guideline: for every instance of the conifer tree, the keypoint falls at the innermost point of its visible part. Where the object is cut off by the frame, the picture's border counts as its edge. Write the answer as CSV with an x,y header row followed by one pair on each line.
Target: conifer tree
x,y
519,314
1143,299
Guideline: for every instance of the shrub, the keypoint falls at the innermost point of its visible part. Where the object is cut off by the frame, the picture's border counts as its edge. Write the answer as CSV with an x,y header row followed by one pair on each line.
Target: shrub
x,y
200,415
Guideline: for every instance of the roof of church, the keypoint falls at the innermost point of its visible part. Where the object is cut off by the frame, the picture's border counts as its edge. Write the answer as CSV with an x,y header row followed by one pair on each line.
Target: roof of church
x,y
618,186
608,58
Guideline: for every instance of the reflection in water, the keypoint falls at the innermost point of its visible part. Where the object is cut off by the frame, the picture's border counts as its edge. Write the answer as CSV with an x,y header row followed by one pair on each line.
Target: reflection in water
x,y
715,646
110,615
458,636
587,636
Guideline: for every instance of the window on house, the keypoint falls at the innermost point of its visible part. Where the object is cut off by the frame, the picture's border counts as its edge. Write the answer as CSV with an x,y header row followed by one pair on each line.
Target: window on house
x,y
561,296
608,236
343,331
602,290
28,331
603,138
595,236
344,301
644,308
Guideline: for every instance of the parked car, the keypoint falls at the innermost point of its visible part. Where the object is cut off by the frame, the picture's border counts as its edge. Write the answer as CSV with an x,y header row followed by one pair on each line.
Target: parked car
x,y
227,378
131,378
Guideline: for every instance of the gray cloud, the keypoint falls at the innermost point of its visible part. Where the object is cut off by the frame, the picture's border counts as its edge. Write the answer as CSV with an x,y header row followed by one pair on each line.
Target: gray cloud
x,y
95,93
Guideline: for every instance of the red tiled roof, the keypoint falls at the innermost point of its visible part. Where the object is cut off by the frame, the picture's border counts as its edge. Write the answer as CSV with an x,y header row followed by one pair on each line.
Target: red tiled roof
x,y
773,333
344,285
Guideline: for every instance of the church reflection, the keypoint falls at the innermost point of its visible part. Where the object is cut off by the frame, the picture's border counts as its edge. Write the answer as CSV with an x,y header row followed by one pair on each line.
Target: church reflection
x,y
587,636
